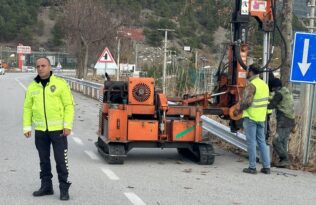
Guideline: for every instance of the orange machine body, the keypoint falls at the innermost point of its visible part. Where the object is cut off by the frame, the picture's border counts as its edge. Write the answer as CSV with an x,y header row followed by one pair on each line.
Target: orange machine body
x,y
134,114
138,119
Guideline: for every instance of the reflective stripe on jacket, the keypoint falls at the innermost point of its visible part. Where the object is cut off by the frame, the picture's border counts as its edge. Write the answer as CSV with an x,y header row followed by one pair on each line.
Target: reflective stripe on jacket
x,y
269,111
50,108
258,109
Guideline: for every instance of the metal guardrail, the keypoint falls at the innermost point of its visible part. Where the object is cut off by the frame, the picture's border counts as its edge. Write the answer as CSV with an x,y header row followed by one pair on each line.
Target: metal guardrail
x,y
92,90
87,88
237,139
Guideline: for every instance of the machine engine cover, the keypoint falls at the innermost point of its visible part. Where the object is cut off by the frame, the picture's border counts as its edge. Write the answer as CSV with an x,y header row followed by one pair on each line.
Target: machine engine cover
x,y
141,91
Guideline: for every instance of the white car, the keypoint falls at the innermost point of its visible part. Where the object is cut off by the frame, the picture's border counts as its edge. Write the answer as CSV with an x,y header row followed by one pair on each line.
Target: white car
x,y
30,69
2,71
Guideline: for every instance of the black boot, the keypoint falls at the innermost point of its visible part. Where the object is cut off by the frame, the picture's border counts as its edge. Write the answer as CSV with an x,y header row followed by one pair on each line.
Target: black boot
x,y
46,189
64,193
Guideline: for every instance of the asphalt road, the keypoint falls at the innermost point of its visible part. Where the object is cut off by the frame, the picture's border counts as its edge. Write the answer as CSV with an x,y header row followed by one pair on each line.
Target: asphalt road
x,y
149,176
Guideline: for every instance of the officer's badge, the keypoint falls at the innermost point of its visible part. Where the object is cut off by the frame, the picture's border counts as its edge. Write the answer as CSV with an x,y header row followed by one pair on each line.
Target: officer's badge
x,y
52,88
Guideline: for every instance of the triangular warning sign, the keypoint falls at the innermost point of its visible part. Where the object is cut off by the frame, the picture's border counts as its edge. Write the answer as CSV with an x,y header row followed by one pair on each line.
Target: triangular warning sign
x,y
106,56
59,66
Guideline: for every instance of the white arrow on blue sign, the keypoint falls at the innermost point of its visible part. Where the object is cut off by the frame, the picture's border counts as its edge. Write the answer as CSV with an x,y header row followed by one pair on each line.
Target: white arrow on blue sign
x,y
303,69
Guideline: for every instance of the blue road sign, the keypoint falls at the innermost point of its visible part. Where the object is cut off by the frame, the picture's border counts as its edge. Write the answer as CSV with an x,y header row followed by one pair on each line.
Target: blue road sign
x,y
303,69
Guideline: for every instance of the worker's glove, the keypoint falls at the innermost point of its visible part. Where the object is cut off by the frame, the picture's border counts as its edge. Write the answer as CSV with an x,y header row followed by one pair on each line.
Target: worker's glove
x,y
237,112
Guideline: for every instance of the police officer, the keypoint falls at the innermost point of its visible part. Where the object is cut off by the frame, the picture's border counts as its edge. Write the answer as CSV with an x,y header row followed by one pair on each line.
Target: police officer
x,y
49,107
254,108
283,102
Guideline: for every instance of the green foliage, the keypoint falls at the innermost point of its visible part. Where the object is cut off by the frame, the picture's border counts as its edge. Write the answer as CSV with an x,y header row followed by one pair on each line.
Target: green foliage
x,y
16,17
153,71
206,39
207,16
25,35
185,80
57,34
297,24
197,19
162,23
39,28
52,13
153,37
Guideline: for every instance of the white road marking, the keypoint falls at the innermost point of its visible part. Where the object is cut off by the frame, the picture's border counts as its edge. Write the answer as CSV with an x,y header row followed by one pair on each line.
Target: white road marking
x,y
92,155
134,198
21,84
110,174
78,140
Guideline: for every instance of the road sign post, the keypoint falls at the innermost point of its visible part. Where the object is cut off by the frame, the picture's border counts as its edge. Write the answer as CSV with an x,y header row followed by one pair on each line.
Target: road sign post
x,y
303,70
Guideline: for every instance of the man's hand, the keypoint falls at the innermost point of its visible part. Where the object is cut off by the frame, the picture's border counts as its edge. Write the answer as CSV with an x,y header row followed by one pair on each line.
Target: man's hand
x,y
28,134
66,132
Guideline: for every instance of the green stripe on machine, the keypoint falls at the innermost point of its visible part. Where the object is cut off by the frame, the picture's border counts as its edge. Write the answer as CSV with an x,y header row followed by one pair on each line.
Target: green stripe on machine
x,y
181,134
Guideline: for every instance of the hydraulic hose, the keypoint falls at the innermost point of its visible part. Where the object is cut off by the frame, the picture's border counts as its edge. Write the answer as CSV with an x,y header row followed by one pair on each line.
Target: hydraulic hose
x,y
275,27
284,58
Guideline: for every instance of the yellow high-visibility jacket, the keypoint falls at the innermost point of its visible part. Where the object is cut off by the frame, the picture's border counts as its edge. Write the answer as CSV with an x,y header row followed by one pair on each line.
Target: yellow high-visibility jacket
x,y
50,108
258,109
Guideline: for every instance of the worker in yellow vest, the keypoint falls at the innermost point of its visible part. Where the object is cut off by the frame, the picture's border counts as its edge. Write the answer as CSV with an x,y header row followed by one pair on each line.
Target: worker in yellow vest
x,y
254,108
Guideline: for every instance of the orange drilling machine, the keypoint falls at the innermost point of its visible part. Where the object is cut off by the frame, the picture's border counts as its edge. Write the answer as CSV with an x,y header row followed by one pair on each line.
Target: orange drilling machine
x,y
135,114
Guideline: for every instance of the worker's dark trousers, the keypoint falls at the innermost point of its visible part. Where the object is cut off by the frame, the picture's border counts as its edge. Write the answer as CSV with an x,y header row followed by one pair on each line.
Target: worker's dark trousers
x,y
43,140
280,143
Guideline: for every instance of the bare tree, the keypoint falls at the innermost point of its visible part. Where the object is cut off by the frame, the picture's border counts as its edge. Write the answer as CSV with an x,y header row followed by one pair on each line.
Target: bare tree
x,y
287,16
89,27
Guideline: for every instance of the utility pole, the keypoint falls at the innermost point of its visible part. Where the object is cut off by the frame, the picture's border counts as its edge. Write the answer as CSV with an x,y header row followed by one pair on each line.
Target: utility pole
x,y
287,31
196,60
118,59
309,94
165,60
136,56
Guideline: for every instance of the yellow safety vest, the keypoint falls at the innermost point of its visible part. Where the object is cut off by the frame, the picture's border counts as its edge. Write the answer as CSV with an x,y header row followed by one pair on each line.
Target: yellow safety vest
x,y
258,109
269,111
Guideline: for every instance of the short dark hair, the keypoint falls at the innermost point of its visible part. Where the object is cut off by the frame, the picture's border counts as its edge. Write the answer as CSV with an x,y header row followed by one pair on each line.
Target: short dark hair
x,y
44,58
275,83
254,68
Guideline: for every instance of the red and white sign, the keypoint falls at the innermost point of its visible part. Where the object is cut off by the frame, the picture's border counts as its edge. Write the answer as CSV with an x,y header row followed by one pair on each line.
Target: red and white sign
x,y
106,56
23,49
106,63
259,5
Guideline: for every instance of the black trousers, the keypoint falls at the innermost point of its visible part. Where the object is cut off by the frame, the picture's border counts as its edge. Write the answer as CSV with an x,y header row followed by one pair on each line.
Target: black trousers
x,y
43,140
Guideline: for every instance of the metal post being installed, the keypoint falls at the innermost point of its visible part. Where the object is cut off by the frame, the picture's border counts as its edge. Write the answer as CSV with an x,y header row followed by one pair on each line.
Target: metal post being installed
x,y
265,58
266,54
